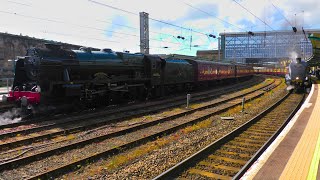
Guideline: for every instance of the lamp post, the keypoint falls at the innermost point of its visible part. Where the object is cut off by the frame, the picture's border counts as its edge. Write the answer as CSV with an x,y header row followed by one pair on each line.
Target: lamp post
x,y
219,47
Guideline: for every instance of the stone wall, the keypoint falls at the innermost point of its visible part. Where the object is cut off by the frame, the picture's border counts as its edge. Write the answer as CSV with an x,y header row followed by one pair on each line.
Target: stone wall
x,y
12,46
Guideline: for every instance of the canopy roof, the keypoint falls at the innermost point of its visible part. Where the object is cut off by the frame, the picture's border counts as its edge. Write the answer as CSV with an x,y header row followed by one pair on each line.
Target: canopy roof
x,y
315,40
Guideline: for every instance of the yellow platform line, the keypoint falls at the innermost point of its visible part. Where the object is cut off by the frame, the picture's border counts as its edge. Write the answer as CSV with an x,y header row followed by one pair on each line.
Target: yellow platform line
x,y
256,167
300,161
315,162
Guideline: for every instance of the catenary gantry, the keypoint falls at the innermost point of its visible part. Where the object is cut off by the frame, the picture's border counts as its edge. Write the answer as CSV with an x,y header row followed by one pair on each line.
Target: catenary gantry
x,y
266,45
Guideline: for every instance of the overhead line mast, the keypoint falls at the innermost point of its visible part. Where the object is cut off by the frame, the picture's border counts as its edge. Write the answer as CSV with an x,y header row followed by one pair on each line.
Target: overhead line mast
x,y
144,32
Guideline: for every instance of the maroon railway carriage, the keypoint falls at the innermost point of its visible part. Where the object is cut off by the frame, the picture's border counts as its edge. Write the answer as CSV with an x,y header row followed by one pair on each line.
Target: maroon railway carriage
x,y
272,71
207,71
243,71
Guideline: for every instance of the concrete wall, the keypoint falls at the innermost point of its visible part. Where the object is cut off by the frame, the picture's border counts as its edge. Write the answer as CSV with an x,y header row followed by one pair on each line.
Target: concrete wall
x,y
12,46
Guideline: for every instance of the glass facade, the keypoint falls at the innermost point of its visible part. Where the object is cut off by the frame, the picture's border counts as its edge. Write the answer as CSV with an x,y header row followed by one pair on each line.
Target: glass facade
x,y
275,44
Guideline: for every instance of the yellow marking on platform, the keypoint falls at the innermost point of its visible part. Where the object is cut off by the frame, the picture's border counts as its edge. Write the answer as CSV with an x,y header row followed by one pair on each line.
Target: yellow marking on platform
x,y
227,159
300,161
208,174
218,166
315,162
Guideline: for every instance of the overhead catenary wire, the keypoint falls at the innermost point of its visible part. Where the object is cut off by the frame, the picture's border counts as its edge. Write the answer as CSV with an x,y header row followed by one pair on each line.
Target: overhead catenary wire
x,y
151,18
121,25
103,30
281,13
130,27
88,27
62,22
205,12
71,35
94,28
19,3
254,15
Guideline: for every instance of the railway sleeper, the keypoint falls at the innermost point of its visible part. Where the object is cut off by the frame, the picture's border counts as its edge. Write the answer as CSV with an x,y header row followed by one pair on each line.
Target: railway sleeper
x,y
260,138
226,159
271,123
242,155
219,166
264,128
256,133
242,139
207,174
248,149
244,144
260,131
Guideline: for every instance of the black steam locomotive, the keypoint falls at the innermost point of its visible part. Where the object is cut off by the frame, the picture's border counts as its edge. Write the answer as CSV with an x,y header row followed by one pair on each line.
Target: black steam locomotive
x,y
55,75
298,77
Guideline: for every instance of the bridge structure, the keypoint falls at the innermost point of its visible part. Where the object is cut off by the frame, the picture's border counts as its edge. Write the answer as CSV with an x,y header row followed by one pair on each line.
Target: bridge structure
x,y
267,46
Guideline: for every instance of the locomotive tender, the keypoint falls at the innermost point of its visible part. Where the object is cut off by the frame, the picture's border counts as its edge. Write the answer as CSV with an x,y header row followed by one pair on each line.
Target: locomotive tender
x,y
49,75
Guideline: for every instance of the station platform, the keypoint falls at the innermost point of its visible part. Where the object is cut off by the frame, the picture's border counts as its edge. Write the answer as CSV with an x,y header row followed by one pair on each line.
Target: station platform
x,y
295,153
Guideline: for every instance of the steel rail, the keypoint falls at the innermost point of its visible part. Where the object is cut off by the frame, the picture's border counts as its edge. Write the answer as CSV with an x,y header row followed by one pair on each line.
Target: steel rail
x,y
69,167
197,97
192,160
14,163
102,121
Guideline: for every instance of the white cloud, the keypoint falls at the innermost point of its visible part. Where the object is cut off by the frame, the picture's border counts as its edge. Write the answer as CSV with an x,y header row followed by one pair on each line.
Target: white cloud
x,y
86,23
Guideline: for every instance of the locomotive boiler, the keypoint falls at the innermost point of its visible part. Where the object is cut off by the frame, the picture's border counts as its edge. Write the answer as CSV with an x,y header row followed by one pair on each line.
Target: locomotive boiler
x,y
52,74
298,77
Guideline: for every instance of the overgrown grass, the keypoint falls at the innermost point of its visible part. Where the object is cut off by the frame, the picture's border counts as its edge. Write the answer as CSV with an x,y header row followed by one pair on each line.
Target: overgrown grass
x,y
151,146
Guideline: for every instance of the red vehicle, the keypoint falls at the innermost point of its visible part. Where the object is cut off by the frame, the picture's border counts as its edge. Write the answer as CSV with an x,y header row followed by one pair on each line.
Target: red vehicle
x,y
206,71
272,71
243,70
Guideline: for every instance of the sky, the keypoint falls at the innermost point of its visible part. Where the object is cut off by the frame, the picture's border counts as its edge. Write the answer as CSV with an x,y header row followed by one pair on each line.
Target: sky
x,y
115,23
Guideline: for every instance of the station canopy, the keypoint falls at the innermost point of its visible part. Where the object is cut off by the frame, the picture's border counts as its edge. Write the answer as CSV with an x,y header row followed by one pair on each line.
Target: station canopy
x,y
315,40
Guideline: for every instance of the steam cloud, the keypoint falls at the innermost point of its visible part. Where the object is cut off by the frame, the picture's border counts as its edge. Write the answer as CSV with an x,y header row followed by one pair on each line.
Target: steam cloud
x,y
11,116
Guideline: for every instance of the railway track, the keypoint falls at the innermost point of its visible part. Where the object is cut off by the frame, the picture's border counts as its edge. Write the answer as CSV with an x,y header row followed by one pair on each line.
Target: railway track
x,y
58,119
232,155
110,140
65,126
